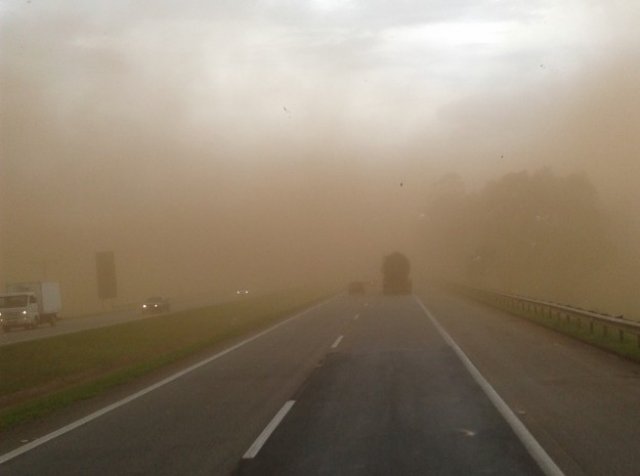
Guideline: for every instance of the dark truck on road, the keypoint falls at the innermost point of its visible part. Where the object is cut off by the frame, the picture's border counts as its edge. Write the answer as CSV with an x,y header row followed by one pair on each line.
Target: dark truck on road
x,y
395,271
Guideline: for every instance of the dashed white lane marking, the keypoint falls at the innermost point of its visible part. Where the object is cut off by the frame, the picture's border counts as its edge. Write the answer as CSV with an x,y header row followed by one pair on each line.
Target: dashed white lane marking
x,y
268,430
337,342
534,448
82,421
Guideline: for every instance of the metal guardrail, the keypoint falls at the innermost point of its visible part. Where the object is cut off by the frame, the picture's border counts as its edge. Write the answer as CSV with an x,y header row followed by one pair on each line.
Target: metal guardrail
x,y
555,311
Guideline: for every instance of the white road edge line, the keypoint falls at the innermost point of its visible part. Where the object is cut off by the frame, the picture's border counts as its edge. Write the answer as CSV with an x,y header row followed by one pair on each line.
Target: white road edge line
x,y
72,426
534,448
268,430
337,342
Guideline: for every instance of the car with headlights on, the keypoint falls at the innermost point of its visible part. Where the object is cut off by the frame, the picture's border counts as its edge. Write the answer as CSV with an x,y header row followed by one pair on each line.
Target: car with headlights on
x,y
156,304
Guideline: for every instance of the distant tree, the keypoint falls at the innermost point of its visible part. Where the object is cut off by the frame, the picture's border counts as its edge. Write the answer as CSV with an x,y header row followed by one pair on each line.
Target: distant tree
x,y
528,232
447,222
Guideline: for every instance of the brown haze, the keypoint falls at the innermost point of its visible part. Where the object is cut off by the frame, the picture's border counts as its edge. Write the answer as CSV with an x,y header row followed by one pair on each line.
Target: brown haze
x,y
215,146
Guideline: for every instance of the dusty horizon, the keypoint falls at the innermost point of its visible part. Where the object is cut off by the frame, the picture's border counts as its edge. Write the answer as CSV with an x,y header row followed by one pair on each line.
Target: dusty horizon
x,y
216,146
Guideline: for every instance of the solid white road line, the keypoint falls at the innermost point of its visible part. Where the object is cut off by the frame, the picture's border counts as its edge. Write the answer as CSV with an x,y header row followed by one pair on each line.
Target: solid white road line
x,y
337,342
266,433
72,426
534,448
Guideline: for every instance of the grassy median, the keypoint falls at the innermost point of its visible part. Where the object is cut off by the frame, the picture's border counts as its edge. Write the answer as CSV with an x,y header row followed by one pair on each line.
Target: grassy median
x,y
42,376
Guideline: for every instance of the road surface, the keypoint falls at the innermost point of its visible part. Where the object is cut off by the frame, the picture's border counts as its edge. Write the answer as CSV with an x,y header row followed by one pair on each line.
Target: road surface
x,y
391,399
580,402
360,386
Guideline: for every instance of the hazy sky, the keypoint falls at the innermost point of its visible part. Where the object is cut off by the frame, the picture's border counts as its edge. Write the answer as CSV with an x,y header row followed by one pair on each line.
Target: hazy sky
x,y
239,137
378,72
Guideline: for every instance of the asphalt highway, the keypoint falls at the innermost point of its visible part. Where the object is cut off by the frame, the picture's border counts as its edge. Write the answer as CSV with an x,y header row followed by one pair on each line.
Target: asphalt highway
x,y
391,399
581,403
360,385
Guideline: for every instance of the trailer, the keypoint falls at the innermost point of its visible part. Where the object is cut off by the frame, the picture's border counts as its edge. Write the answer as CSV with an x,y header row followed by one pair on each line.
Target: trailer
x,y
30,304
395,270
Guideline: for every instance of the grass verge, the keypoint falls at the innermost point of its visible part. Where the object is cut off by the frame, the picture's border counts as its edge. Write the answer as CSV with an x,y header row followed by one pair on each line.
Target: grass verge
x,y
624,344
42,376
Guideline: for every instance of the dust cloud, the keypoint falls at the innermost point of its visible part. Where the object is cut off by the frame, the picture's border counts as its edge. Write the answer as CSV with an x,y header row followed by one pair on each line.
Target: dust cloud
x,y
216,146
